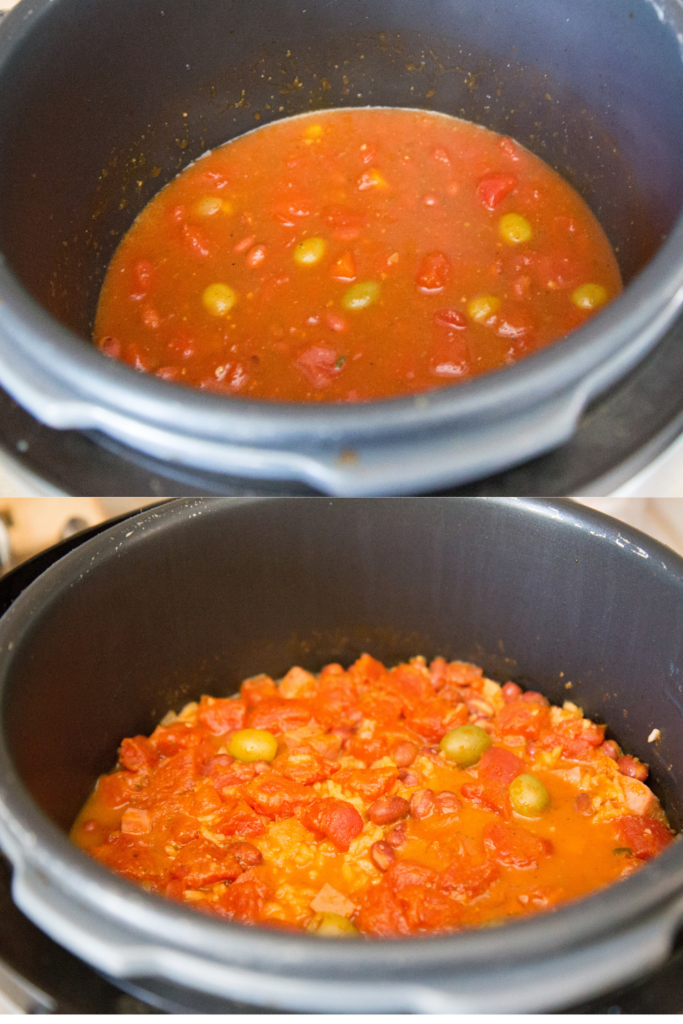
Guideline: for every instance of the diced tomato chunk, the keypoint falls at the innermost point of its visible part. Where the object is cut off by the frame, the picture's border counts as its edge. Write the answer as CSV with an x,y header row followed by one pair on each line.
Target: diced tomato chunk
x,y
338,820
244,899
221,715
128,856
138,754
238,819
492,191
306,767
408,872
118,789
257,689
224,771
515,847
345,268
412,683
182,828
381,706
202,863
380,913
433,719
277,797
278,715
175,890
205,800
433,273
645,836
427,909
489,795
464,880
368,750
169,739
370,783
336,702
523,719
500,765
577,737
366,669
319,364
175,774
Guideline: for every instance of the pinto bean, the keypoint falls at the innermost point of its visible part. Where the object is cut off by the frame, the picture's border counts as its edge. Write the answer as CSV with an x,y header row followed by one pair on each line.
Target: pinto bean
x,y
511,692
422,803
387,810
246,855
610,748
397,837
628,765
404,754
447,802
382,855
407,777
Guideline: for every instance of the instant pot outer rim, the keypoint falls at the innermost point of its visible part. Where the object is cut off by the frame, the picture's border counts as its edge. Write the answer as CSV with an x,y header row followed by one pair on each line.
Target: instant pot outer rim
x,y
588,361
35,843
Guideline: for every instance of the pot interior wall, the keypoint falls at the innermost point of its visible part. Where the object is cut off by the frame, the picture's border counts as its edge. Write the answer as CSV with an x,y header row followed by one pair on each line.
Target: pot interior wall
x,y
104,103
204,594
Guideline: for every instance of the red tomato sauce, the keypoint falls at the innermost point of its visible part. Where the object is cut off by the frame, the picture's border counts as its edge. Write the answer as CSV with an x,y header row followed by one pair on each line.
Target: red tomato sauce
x,y
351,255
348,814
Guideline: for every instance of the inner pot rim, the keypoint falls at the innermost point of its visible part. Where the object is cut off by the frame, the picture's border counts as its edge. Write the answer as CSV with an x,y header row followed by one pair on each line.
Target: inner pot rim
x,y
34,841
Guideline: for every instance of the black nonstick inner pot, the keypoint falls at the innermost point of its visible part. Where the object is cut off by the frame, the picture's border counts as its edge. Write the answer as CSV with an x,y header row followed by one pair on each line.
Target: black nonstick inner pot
x,y
195,595
101,104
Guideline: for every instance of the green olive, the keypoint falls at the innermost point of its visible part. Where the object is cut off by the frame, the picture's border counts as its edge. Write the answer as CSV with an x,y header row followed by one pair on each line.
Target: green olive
x,y
310,251
465,745
360,295
528,795
219,298
332,925
253,745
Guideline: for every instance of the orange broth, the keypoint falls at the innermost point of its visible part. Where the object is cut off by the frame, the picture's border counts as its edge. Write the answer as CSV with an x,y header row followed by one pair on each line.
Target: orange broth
x,y
350,255
359,823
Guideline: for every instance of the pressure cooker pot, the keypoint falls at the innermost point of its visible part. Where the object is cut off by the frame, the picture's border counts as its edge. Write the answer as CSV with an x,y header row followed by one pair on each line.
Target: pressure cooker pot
x,y
194,596
102,104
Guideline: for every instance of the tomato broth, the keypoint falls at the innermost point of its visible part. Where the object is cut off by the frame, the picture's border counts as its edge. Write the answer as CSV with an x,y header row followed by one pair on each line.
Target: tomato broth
x,y
350,255
378,802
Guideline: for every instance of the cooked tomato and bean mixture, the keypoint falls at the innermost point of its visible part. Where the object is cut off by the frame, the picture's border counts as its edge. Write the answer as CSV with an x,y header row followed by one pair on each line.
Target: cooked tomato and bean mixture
x,y
351,255
370,801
